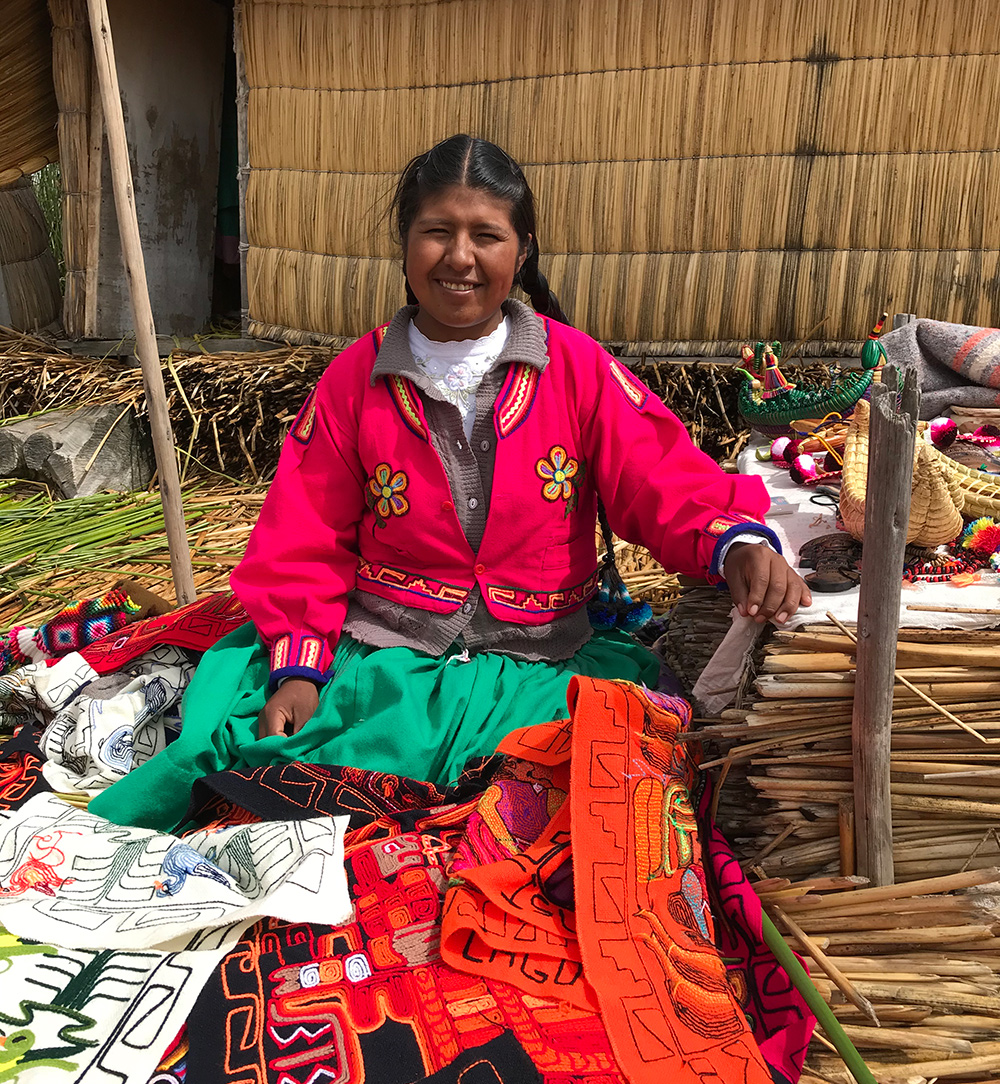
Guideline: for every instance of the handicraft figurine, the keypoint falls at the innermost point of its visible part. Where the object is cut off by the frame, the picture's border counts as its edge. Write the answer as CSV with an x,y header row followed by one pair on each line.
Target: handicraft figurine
x,y
775,407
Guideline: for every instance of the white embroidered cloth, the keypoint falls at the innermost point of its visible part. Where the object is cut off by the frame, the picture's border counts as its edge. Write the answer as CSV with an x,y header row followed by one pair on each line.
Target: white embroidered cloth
x,y
72,879
457,369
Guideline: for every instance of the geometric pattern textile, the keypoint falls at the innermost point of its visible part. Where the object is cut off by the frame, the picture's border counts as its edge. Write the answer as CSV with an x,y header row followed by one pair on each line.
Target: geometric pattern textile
x,y
196,627
73,628
413,989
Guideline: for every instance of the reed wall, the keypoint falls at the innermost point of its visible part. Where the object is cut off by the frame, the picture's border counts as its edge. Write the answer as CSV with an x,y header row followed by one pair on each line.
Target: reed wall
x,y
705,173
27,98
30,278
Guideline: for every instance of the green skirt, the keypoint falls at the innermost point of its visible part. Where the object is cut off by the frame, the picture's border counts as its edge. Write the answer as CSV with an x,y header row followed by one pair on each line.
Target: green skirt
x,y
387,709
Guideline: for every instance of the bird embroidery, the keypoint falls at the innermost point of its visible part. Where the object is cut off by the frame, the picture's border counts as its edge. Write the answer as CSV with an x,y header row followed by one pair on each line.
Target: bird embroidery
x,y
181,862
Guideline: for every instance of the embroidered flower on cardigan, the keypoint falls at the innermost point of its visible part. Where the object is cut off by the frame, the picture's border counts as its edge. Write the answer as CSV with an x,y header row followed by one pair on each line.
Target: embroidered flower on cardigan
x,y
385,493
562,476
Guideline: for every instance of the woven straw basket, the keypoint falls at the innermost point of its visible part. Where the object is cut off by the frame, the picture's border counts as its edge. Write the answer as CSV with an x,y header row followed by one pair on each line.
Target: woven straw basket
x,y
937,498
980,490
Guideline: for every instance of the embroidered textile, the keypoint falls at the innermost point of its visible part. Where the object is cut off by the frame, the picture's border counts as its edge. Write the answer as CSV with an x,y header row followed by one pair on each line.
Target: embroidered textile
x,y
78,881
93,741
294,1002
97,1016
196,627
377,999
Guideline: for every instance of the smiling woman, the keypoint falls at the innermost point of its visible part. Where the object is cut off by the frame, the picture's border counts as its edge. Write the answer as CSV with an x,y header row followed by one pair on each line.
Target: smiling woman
x,y
420,574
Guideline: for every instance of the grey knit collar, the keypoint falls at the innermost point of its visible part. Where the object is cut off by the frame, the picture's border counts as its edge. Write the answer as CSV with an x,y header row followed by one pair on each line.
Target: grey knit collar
x,y
526,342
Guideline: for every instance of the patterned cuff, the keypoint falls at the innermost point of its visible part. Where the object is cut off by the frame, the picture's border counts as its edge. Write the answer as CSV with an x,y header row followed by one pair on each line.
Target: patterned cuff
x,y
738,532
301,656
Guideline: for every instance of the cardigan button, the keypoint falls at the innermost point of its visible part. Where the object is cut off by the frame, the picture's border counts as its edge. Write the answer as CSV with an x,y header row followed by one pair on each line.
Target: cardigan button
x,y
447,506
479,569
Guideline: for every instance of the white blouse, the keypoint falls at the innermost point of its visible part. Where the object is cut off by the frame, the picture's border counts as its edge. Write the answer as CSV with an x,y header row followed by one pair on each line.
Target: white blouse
x,y
457,369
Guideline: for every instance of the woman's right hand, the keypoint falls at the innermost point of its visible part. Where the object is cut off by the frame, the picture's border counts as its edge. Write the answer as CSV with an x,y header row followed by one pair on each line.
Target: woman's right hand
x,y
288,708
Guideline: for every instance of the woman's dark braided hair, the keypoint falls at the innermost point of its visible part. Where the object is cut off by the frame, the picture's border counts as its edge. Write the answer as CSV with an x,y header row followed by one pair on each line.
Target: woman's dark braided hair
x,y
477,163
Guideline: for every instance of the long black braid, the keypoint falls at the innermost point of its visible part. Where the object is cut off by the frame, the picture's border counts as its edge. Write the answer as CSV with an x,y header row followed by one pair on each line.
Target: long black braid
x,y
536,286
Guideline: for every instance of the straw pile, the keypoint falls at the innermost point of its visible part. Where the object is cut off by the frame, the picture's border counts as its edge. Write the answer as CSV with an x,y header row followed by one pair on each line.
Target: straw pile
x,y
787,756
921,957
28,117
698,174
230,411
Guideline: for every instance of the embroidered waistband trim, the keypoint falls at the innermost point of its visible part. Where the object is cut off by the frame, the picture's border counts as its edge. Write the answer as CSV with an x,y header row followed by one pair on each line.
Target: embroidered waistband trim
x,y
410,582
537,602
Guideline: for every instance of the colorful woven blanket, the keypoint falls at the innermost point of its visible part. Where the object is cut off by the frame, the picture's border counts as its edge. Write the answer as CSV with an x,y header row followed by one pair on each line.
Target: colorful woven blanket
x,y
73,628
959,365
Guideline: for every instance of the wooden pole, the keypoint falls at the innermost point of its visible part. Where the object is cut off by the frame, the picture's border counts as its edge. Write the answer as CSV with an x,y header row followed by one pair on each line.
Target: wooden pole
x,y
887,515
243,156
142,314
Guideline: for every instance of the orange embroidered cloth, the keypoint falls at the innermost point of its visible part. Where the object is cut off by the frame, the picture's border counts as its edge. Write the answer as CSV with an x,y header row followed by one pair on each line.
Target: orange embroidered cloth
x,y
604,905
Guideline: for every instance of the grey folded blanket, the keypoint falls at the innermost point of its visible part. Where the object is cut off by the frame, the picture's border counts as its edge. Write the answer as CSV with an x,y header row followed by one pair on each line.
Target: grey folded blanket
x,y
958,365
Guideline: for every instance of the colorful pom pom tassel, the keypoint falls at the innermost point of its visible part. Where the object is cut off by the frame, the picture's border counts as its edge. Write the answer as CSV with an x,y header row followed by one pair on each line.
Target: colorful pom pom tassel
x,y
803,468
943,433
981,536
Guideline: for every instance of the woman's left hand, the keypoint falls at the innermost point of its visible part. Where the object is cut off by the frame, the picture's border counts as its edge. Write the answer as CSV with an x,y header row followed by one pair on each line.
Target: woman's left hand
x,y
762,583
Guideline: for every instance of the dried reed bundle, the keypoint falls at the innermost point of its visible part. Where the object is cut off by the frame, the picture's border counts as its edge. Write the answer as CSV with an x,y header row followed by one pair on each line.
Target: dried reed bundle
x,y
641,300
527,44
793,747
230,410
59,551
30,275
922,957
71,68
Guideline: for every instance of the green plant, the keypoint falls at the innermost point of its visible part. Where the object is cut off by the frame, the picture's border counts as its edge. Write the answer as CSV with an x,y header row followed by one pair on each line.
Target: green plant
x,y
48,191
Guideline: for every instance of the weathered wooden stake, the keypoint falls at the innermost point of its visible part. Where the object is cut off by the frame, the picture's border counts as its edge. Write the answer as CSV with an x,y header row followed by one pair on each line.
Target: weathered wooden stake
x,y
243,156
142,313
887,514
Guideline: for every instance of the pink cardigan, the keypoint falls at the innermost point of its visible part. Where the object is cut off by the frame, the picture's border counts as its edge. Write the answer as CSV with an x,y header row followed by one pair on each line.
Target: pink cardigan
x,y
361,498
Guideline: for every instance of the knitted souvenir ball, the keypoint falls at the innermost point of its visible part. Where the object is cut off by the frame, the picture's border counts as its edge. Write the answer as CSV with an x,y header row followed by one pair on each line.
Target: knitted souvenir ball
x,y
803,468
784,450
987,434
981,536
943,432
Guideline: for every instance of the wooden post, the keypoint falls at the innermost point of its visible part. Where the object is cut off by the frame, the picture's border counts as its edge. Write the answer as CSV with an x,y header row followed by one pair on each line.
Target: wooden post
x,y
142,314
95,168
243,156
887,514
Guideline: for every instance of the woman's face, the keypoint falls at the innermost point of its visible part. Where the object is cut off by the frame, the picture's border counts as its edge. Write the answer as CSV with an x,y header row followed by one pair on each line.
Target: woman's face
x,y
461,255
